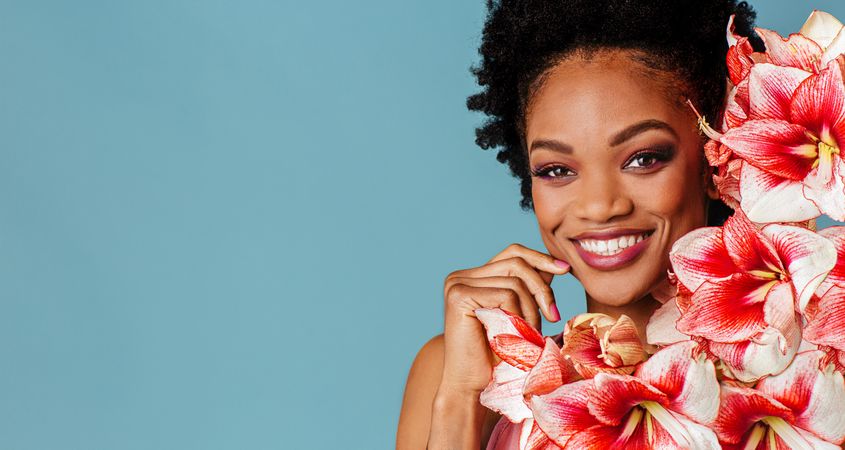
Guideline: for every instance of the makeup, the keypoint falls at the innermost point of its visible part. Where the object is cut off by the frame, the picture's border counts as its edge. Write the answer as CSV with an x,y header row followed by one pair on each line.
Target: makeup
x,y
611,249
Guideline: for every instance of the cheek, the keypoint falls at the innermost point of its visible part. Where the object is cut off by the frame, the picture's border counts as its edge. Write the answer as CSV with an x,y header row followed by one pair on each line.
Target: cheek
x,y
676,195
550,205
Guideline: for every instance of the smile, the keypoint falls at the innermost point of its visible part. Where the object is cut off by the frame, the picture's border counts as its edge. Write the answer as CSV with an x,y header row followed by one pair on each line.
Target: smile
x,y
611,246
611,250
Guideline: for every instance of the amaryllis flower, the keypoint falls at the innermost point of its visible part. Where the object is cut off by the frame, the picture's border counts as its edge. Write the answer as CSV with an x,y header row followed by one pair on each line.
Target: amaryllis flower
x,y
659,407
797,409
795,137
599,343
818,42
531,365
746,286
528,359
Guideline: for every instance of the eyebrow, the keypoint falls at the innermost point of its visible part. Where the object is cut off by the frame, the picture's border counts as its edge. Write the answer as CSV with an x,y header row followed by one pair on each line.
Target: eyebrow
x,y
640,127
618,138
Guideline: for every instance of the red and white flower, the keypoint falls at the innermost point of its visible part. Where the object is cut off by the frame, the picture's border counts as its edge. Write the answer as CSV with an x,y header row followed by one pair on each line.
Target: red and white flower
x,y
747,288
531,365
599,343
801,408
661,406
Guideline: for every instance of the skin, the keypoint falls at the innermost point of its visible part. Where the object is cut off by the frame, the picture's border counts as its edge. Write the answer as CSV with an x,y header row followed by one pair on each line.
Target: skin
x,y
601,182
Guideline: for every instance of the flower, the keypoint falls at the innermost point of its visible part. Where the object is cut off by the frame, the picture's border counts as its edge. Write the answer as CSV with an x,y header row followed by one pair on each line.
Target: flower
x,y
658,407
783,118
599,343
797,409
531,365
746,287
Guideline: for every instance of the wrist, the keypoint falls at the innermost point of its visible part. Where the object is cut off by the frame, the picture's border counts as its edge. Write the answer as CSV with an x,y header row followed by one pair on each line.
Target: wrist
x,y
457,419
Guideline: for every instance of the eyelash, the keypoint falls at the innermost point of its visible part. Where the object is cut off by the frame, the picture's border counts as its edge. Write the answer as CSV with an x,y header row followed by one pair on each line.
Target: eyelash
x,y
659,156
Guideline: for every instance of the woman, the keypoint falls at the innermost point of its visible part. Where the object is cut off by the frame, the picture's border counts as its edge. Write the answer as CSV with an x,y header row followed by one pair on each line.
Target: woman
x,y
587,103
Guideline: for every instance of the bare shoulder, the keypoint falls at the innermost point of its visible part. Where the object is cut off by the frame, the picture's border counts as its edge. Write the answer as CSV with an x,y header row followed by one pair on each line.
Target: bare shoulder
x,y
420,388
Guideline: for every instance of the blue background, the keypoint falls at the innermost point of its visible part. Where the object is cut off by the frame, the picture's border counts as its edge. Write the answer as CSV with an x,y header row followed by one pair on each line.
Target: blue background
x,y
226,224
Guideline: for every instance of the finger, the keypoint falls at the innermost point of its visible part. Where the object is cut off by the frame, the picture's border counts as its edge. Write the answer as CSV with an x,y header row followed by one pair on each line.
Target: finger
x,y
539,260
518,267
462,300
528,305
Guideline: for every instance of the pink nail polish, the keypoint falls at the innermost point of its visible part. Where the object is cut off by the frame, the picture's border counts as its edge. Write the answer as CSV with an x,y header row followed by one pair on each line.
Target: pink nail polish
x,y
554,312
563,264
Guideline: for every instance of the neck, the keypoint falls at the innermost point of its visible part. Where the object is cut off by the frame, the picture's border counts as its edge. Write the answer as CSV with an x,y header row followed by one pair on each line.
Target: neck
x,y
639,311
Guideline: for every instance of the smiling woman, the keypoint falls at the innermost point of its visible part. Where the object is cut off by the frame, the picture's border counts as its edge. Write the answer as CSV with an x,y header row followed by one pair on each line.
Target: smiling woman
x,y
587,104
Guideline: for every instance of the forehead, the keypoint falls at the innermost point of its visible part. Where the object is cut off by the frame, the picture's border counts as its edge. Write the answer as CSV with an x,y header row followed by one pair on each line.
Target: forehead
x,y
591,98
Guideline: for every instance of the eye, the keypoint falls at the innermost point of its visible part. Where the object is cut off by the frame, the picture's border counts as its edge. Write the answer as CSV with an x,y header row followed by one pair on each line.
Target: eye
x,y
552,172
649,158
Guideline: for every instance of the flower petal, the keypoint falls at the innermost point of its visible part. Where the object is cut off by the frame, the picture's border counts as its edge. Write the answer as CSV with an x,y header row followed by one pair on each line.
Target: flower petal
x,y
699,256
826,189
770,353
827,326
770,90
701,437
836,277
741,408
551,371
727,182
603,437
504,393
836,48
538,440
815,397
564,411
766,197
795,51
776,146
808,257
747,246
737,107
687,378
661,329
511,337
727,311
819,103
821,27
622,344
616,395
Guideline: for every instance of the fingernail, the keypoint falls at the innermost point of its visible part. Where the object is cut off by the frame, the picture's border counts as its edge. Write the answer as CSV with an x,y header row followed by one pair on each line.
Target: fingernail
x,y
554,312
562,264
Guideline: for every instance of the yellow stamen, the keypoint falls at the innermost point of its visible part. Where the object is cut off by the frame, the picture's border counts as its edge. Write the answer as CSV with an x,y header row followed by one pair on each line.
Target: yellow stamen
x,y
631,424
755,437
766,275
703,126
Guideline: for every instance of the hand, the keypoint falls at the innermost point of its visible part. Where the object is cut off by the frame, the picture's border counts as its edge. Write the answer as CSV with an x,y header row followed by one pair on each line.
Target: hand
x,y
517,280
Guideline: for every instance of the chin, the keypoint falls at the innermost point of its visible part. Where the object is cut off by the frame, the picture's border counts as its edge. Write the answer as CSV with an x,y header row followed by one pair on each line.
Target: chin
x,y
615,297
618,288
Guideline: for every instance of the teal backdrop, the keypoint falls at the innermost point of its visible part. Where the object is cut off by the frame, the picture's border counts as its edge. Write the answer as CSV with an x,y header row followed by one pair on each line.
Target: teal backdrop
x,y
226,224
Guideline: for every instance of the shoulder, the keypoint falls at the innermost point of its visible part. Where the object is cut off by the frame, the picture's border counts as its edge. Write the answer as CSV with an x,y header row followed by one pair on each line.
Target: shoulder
x,y
420,389
429,357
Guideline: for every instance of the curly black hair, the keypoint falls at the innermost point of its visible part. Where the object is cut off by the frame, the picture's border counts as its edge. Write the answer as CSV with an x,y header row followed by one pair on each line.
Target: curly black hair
x,y
522,39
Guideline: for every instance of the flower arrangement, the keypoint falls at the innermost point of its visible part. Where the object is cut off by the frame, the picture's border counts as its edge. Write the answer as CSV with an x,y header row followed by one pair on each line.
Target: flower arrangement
x,y
749,352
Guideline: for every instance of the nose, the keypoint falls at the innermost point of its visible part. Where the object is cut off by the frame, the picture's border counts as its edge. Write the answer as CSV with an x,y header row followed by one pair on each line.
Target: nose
x,y
601,198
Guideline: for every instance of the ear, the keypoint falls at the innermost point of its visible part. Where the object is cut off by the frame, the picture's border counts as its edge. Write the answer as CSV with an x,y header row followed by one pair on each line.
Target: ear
x,y
710,184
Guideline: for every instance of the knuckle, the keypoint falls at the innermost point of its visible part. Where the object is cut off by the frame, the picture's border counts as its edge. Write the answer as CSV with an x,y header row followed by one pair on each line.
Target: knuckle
x,y
515,249
456,291
454,274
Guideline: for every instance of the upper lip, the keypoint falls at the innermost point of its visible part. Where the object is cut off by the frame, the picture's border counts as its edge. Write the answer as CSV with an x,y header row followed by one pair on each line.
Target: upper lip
x,y
610,234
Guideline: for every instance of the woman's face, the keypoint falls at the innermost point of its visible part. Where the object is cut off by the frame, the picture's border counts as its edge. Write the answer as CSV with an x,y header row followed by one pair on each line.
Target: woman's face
x,y
616,162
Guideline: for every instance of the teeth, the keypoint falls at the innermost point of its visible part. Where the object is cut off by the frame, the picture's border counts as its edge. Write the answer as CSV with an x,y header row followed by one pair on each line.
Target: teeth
x,y
611,246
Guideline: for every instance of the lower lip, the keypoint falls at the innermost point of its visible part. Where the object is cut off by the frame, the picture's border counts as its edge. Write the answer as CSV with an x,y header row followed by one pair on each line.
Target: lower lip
x,y
612,262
